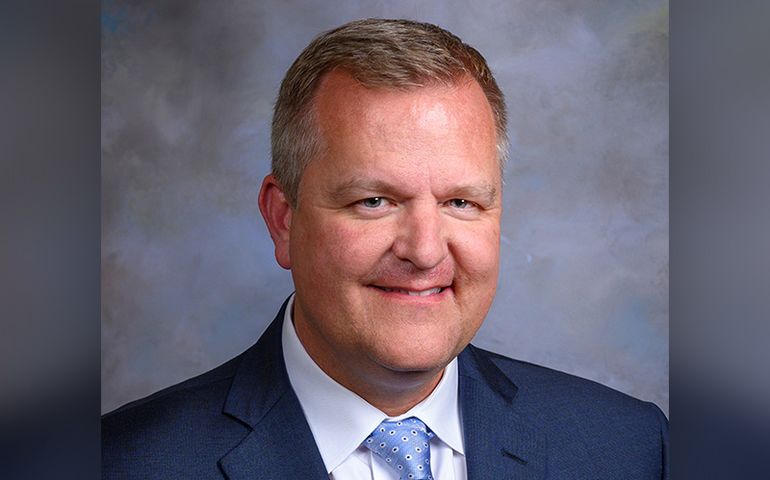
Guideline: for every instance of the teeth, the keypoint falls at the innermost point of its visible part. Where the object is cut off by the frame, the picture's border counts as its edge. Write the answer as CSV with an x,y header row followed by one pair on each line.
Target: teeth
x,y
423,293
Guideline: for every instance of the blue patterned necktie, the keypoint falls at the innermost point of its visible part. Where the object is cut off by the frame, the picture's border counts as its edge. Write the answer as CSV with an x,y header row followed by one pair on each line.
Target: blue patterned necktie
x,y
405,446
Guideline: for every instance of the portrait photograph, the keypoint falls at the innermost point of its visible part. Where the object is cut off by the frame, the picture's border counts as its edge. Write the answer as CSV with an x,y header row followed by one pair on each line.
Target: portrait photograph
x,y
399,180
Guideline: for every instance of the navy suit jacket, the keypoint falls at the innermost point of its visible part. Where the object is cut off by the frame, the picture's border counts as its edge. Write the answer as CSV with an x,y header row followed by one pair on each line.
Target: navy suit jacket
x,y
242,420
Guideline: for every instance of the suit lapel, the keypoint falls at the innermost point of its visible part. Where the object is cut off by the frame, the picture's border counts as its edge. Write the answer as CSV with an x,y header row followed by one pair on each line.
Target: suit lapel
x,y
280,444
278,447
498,443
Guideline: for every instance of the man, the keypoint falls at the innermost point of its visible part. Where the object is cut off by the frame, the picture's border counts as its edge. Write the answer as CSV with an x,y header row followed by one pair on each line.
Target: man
x,y
389,138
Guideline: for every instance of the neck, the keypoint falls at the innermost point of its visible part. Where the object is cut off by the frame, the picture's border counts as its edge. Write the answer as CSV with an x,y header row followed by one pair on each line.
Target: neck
x,y
398,397
390,390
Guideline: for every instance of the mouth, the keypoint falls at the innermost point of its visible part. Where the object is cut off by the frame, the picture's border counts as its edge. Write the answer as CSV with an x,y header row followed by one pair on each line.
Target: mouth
x,y
412,293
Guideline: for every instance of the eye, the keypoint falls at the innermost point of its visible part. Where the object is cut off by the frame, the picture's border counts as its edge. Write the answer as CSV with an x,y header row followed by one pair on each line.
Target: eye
x,y
373,202
460,203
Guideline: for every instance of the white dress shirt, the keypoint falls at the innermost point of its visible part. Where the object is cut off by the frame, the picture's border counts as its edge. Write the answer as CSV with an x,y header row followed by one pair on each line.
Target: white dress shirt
x,y
340,420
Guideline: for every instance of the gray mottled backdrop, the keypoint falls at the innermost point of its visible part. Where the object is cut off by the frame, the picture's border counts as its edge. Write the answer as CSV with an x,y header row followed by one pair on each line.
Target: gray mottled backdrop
x,y
188,276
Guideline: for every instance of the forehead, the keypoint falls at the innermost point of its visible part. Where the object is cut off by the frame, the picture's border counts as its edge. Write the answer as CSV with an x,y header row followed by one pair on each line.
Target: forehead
x,y
339,97
441,120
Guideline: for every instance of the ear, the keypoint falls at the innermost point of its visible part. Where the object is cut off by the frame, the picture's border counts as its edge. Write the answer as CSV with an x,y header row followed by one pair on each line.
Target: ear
x,y
277,213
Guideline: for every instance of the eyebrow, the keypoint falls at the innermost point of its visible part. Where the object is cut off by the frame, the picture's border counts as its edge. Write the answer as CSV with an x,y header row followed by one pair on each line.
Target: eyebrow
x,y
485,191
354,187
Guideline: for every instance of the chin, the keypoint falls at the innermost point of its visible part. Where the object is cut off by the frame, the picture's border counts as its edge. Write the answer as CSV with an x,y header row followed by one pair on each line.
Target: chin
x,y
421,362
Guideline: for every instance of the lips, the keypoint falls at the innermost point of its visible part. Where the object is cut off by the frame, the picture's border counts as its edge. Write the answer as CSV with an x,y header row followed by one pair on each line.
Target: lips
x,y
412,293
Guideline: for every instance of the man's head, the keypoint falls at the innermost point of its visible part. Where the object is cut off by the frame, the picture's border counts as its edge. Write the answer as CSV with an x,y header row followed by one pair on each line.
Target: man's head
x,y
389,54
390,223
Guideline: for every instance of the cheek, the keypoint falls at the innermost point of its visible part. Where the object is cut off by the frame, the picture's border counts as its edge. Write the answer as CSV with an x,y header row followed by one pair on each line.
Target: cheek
x,y
477,252
345,248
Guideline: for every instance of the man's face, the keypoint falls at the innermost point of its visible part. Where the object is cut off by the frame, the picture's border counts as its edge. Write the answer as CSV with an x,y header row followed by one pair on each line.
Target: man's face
x,y
394,243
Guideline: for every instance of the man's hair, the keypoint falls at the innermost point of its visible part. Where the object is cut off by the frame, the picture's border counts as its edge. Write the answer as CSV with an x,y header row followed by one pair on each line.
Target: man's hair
x,y
378,53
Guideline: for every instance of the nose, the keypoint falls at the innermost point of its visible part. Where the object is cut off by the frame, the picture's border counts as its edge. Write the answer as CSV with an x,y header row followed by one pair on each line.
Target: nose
x,y
421,238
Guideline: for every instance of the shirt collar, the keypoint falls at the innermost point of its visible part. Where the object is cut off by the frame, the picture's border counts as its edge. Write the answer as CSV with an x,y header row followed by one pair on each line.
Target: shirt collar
x,y
340,420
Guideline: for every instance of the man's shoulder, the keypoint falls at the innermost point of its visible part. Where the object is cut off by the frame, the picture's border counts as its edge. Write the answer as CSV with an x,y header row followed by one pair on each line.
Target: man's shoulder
x,y
557,398
194,393
173,423
538,382
584,426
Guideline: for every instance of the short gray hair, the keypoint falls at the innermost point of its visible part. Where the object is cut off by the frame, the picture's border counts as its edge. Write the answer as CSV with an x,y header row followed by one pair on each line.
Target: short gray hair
x,y
378,53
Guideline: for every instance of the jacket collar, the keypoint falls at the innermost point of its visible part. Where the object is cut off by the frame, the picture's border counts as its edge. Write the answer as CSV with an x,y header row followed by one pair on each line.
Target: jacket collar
x,y
498,442
262,398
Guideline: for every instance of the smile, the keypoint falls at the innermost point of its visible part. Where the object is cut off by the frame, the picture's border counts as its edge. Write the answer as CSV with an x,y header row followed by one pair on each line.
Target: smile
x,y
413,293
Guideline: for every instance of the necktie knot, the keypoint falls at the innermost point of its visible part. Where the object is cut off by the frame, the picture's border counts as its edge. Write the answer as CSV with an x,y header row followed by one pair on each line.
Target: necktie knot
x,y
405,447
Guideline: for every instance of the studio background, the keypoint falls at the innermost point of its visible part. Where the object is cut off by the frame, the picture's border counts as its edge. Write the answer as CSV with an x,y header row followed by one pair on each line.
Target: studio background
x,y
188,274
